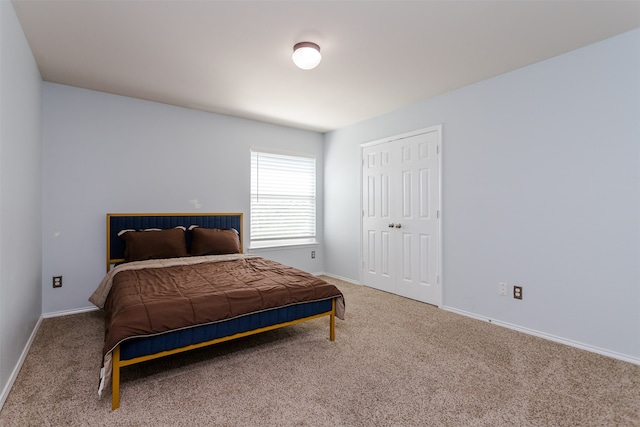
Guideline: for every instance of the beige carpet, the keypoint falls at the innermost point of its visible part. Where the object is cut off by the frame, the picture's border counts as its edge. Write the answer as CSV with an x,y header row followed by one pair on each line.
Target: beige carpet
x,y
395,362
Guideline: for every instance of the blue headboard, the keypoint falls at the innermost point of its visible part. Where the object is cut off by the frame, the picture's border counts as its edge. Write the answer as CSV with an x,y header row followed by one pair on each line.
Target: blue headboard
x,y
117,222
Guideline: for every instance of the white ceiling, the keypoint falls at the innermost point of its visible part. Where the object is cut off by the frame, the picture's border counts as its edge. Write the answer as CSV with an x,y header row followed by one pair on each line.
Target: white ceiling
x,y
234,57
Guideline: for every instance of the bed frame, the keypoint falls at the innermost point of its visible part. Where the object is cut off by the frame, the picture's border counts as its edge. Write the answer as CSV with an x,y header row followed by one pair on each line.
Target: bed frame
x,y
138,350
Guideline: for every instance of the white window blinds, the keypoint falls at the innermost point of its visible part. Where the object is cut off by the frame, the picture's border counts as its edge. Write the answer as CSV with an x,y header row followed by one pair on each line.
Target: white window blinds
x,y
283,199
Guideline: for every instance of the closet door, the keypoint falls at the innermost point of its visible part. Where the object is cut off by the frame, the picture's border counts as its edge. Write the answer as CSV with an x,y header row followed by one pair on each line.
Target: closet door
x,y
401,224
377,227
418,205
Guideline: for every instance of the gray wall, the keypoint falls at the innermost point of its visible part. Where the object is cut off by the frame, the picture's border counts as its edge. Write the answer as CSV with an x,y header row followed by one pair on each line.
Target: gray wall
x,y
105,154
20,195
541,188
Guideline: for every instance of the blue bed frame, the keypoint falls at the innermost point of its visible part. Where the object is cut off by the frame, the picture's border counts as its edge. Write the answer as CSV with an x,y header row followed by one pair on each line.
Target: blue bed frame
x,y
138,350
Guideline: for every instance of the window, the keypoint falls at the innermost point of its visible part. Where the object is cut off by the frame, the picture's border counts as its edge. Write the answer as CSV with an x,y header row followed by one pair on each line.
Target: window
x,y
283,199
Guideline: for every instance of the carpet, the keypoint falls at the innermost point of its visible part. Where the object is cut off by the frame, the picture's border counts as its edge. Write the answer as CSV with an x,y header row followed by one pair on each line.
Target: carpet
x,y
395,362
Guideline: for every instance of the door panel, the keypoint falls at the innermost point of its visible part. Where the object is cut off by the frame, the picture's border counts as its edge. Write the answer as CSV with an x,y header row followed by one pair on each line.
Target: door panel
x,y
385,203
384,258
407,271
424,193
424,254
406,194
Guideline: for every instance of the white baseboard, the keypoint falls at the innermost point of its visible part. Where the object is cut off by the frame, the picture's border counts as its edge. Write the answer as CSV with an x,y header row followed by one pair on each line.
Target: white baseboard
x,y
550,337
68,312
335,276
16,370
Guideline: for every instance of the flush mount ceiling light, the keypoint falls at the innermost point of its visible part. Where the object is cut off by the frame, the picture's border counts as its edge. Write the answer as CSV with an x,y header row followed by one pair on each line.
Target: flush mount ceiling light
x,y
306,55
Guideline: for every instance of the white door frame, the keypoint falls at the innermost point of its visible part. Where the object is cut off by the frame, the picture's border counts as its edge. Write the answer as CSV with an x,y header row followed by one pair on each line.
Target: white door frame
x,y
438,128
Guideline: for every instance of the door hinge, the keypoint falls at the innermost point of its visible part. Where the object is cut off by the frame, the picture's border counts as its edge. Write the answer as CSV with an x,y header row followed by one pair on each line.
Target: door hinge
x,y
438,214
437,279
437,149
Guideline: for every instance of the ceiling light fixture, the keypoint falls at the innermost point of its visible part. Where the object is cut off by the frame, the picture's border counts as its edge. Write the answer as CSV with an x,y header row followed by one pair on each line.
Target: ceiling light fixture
x,y
306,55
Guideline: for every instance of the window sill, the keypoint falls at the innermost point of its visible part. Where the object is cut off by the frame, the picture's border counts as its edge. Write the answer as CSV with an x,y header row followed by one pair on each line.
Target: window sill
x,y
281,245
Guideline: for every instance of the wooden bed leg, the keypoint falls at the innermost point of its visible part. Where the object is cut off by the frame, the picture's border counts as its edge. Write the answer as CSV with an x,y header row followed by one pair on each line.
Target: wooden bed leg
x,y
115,379
332,321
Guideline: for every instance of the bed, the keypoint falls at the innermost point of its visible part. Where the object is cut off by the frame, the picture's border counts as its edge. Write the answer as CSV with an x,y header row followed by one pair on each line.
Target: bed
x,y
177,282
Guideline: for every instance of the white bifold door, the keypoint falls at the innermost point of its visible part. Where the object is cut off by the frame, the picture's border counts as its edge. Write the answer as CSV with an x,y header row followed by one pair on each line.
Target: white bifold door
x,y
401,215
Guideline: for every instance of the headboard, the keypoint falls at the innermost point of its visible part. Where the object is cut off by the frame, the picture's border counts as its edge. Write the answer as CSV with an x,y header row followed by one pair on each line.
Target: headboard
x,y
138,221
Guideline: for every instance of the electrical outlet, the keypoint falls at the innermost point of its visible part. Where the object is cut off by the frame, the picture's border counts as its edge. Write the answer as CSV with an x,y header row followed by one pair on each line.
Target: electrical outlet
x,y
57,281
517,292
502,289
313,254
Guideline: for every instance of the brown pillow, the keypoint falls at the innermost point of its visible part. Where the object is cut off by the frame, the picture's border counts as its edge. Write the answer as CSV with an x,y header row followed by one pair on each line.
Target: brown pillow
x,y
154,244
214,241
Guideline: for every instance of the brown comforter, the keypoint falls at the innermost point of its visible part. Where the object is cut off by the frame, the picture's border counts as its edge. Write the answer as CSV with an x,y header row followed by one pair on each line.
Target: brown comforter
x,y
155,300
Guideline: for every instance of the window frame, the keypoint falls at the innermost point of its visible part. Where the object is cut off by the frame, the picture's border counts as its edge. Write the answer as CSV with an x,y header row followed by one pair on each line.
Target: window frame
x,y
282,240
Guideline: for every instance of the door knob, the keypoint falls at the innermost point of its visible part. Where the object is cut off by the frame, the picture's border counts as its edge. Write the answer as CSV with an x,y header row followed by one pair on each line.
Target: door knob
x,y
391,225
398,225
